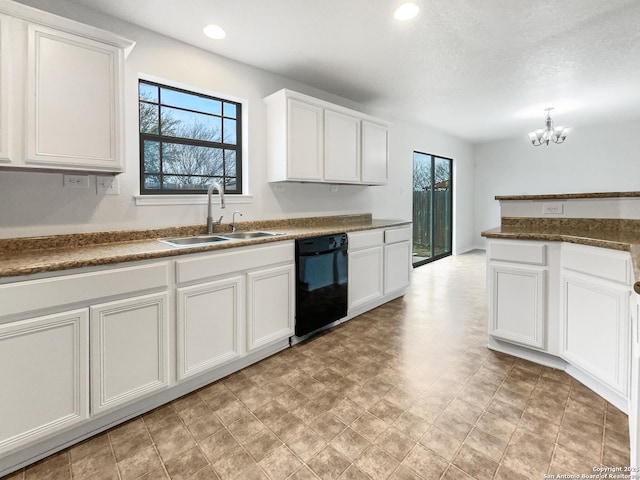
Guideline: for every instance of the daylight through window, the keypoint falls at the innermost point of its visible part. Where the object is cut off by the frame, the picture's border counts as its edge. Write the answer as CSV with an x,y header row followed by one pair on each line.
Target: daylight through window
x,y
188,140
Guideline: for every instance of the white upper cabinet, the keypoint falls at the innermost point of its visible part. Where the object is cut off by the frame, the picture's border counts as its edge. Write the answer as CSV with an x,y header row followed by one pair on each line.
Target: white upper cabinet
x,y
65,87
304,141
6,154
310,140
375,153
341,147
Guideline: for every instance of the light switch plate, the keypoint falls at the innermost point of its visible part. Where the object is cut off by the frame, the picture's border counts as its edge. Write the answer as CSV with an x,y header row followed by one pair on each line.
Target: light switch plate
x,y
107,185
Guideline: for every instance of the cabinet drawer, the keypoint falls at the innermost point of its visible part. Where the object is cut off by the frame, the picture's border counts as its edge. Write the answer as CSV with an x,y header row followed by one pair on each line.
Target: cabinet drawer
x,y
366,239
599,262
233,260
518,252
395,235
52,292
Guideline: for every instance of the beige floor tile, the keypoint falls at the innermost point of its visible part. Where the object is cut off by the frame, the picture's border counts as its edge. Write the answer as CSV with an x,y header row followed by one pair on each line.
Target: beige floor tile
x,y
350,444
396,443
232,464
184,466
441,442
376,463
454,473
425,463
144,461
328,426
329,464
404,473
307,444
261,444
280,463
287,427
354,473
369,426
487,444
475,463
412,425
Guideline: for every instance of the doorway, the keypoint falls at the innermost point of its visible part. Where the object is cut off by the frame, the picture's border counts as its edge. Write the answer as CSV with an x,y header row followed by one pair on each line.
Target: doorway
x,y
432,207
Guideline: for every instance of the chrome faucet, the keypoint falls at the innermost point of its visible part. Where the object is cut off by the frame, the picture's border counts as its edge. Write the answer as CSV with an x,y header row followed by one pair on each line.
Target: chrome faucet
x,y
233,221
220,189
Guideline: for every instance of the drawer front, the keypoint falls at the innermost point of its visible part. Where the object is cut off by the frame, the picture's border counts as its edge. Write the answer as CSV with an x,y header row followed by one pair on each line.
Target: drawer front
x,y
366,239
599,262
518,252
205,266
395,235
83,287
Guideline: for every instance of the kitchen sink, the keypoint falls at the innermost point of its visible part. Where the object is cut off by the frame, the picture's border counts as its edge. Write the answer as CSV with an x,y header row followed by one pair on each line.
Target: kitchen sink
x,y
247,235
192,241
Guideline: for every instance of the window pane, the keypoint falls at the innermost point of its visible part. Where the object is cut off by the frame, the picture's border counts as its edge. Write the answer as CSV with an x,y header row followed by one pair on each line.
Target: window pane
x,y
151,157
191,102
148,92
148,118
230,110
230,131
230,184
230,162
151,181
191,160
183,182
184,124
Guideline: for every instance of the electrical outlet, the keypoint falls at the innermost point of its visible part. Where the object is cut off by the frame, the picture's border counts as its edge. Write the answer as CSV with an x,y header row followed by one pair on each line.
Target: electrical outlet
x,y
75,181
107,185
553,208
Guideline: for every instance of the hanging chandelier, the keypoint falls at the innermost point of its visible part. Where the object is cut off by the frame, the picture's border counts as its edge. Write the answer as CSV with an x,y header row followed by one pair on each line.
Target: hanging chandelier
x,y
549,133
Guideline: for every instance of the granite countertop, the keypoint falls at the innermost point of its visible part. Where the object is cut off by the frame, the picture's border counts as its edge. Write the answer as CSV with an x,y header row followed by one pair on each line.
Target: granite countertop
x,y
616,234
23,256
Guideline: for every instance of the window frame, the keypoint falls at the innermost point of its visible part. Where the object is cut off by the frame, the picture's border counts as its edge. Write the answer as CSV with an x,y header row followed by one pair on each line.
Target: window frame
x,y
238,147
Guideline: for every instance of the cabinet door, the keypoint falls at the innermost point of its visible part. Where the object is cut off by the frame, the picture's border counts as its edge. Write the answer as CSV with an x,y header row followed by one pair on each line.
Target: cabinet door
x,y
595,328
5,82
129,350
44,370
304,141
365,276
375,153
270,305
209,320
634,397
397,266
517,302
73,101
341,147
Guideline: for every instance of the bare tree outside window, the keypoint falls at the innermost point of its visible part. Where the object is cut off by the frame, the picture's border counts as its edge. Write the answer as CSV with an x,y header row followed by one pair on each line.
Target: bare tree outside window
x,y
187,140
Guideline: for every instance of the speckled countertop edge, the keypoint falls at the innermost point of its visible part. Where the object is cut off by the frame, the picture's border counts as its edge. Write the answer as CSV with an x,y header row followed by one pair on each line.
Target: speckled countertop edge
x,y
568,196
615,234
25,256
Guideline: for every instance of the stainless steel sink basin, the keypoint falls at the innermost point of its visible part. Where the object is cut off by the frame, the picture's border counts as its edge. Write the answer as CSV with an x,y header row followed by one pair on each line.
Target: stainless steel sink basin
x,y
247,235
193,241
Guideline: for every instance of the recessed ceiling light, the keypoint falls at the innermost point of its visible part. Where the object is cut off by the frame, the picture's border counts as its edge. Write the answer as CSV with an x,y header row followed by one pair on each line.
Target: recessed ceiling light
x,y
406,11
214,31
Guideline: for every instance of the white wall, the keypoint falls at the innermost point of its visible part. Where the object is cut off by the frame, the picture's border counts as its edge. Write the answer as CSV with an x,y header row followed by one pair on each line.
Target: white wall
x,y
593,159
36,203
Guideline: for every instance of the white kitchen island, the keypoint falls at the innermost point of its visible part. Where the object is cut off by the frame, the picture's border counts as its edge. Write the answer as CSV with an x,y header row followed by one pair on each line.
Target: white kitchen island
x,y
563,285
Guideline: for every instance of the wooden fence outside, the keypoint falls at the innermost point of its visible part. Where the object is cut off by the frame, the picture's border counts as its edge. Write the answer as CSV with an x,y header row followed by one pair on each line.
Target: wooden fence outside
x,y
422,222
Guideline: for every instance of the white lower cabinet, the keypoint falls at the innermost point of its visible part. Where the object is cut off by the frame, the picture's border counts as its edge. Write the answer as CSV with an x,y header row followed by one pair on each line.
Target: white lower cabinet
x,y
129,350
208,320
45,378
517,298
397,266
270,305
365,276
634,394
596,328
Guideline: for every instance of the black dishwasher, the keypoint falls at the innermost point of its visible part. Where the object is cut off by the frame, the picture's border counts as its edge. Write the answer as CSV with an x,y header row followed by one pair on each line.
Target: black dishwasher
x,y
321,284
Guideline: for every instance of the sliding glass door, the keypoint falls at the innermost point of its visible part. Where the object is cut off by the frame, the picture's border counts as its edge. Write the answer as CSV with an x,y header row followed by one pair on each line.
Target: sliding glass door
x,y
432,207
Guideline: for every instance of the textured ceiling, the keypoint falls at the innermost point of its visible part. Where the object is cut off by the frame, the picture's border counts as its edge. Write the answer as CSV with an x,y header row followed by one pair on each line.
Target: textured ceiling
x,y
479,70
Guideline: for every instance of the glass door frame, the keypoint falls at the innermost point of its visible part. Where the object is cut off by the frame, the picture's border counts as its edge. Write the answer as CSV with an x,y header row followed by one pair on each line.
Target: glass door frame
x,y
432,204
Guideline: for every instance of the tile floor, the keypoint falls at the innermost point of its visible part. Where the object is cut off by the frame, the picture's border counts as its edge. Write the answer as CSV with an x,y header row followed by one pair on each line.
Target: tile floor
x,y
405,392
